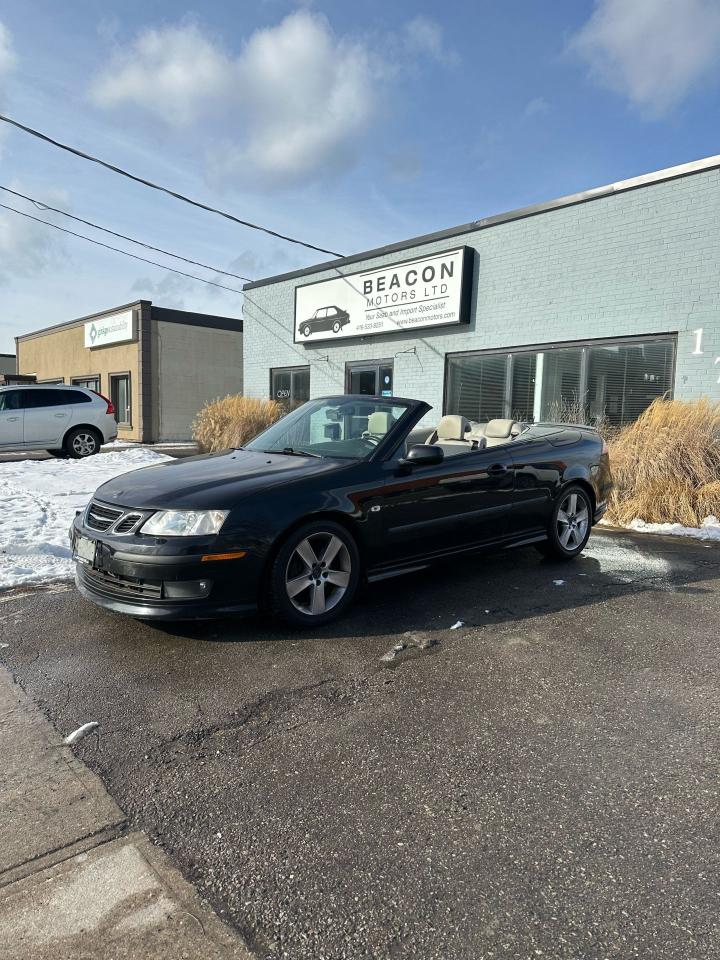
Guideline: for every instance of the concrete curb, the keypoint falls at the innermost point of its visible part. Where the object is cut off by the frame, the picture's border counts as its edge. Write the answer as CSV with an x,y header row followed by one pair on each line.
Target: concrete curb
x,y
74,884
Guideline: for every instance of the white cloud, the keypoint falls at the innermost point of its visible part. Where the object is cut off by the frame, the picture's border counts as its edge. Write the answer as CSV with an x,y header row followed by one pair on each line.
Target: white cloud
x,y
291,107
27,248
536,106
308,96
7,54
174,72
651,51
425,36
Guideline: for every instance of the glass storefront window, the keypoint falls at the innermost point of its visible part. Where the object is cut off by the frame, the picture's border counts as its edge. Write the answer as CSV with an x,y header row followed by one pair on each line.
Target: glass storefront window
x,y
561,400
476,385
624,379
605,382
290,385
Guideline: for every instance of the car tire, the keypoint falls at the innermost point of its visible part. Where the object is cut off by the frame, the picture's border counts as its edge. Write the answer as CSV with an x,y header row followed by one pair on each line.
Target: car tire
x,y
331,582
336,327
570,525
306,331
82,442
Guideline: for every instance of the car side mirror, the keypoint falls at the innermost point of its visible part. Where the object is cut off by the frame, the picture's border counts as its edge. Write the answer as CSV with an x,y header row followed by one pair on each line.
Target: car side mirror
x,y
422,455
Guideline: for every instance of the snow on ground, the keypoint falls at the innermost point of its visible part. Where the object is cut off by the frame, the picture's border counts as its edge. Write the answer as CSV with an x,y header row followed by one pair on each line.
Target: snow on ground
x,y
708,530
38,500
136,445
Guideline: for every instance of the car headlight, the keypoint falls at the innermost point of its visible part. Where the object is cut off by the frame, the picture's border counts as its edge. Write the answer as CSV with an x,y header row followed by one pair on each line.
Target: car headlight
x,y
184,523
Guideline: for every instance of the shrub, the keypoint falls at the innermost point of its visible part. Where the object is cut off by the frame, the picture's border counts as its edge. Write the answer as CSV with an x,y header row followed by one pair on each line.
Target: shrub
x,y
232,421
666,465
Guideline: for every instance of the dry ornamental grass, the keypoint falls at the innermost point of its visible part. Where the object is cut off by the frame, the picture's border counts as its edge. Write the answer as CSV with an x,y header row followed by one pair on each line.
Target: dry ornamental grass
x,y
666,465
233,421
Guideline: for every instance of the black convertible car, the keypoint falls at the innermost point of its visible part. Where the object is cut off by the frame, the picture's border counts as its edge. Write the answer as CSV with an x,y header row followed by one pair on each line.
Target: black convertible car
x,y
340,489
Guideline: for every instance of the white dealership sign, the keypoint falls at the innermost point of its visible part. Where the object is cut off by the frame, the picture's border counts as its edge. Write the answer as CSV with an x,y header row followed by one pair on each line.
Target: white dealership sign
x,y
430,291
114,328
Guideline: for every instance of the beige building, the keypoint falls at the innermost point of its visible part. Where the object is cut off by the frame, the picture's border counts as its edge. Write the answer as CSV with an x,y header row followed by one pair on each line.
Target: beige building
x,y
158,366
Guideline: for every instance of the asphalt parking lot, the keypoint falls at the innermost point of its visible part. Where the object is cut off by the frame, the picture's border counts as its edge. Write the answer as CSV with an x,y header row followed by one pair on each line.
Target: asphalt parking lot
x,y
540,781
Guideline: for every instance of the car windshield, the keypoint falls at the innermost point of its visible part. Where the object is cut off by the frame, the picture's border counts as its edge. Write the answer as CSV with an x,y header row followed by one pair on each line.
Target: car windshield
x,y
346,429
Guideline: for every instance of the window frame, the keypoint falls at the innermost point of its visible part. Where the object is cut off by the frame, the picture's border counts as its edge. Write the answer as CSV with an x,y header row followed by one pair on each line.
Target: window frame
x,y
294,369
583,345
354,365
90,376
116,375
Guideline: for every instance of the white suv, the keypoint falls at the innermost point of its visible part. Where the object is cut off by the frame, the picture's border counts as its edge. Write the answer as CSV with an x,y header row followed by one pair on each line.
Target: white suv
x,y
64,420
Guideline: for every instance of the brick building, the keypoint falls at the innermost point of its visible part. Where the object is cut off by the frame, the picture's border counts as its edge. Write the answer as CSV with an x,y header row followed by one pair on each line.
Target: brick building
x,y
588,306
159,366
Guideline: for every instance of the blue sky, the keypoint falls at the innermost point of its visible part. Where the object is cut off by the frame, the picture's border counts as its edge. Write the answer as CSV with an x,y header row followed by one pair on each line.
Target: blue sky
x,y
348,125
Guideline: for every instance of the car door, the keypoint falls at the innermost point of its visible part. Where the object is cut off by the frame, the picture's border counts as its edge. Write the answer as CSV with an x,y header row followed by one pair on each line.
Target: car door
x,y
47,417
461,502
537,466
11,419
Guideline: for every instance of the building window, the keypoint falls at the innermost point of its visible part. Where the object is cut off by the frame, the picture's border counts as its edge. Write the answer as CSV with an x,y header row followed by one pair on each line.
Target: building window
x,y
90,383
120,396
369,377
290,385
601,382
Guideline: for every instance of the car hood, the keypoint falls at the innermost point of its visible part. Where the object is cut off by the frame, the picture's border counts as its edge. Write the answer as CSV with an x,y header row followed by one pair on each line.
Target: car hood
x,y
213,482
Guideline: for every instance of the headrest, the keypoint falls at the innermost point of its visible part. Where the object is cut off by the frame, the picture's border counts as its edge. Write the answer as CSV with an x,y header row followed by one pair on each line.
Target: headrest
x,y
379,422
452,427
499,428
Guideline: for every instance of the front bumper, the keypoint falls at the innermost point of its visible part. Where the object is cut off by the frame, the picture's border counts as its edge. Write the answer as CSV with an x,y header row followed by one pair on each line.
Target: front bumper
x,y
149,577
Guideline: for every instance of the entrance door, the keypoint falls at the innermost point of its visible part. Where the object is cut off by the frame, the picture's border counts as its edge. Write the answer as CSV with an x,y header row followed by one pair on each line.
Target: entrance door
x,y
372,379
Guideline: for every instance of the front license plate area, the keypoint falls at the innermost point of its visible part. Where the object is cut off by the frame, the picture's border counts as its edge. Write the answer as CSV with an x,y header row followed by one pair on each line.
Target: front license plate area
x,y
85,550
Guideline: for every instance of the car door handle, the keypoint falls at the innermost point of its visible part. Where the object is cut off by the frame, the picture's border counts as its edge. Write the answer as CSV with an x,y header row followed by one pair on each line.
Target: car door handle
x,y
497,468
60,416
12,419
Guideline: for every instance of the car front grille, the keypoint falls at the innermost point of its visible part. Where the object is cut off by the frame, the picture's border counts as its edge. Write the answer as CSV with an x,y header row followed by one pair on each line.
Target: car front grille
x,y
100,517
103,518
111,585
128,523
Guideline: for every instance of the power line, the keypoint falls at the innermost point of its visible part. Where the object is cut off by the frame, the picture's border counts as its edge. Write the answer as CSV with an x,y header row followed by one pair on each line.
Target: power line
x,y
167,190
125,253
121,236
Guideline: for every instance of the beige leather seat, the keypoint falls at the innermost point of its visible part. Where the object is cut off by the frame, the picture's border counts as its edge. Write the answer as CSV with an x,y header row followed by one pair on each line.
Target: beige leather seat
x,y
379,423
501,431
451,429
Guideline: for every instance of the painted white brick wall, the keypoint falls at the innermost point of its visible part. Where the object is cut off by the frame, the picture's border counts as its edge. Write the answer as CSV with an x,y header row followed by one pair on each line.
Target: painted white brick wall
x,y
645,261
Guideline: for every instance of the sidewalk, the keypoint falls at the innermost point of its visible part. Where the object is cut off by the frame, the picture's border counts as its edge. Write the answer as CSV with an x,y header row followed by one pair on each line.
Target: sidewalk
x,y
75,884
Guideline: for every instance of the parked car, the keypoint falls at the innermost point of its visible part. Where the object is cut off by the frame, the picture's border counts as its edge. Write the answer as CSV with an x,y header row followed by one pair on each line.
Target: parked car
x,y
331,494
326,318
64,420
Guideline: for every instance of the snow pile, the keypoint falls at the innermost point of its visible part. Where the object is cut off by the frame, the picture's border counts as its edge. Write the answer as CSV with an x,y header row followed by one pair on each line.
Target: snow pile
x,y
709,530
38,500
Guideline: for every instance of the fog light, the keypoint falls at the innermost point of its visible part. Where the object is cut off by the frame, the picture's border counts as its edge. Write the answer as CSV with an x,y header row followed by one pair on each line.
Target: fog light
x,y
186,589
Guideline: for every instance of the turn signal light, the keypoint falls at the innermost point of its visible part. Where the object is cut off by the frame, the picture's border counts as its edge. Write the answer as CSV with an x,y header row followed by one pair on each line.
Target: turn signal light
x,y
224,556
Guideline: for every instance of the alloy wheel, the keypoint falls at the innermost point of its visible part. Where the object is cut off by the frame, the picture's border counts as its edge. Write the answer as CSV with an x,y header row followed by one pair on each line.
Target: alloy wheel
x,y
572,521
84,444
318,573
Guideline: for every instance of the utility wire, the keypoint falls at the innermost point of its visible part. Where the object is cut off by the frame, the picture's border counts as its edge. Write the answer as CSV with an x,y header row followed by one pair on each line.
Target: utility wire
x,y
167,190
125,253
121,236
